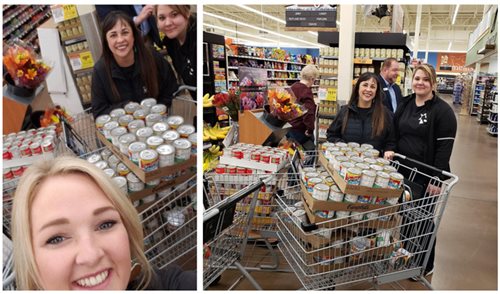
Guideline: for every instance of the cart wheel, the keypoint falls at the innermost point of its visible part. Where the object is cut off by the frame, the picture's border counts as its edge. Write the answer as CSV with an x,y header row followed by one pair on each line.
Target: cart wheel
x,y
215,282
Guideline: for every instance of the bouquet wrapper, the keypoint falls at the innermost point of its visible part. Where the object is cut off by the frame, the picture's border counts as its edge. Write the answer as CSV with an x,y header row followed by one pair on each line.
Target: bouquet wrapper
x,y
271,119
17,90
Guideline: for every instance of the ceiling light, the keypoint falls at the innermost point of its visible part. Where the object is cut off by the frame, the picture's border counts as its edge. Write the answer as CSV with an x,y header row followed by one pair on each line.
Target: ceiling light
x,y
455,14
236,32
449,46
262,29
261,13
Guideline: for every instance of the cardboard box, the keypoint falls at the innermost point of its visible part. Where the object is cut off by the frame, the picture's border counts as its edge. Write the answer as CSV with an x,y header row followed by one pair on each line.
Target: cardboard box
x,y
252,164
152,175
160,187
356,189
315,204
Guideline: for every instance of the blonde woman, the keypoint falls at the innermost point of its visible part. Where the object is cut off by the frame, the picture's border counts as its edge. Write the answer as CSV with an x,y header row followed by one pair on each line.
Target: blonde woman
x,y
73,229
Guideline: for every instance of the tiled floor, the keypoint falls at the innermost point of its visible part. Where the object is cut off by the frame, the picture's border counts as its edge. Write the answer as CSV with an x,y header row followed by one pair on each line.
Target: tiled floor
x,y
466,257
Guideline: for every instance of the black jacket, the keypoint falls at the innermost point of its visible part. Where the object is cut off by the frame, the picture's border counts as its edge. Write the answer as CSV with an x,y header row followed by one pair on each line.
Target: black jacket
x,y
130,88
442,131
103,10
387,96
171,277
359,129
184,57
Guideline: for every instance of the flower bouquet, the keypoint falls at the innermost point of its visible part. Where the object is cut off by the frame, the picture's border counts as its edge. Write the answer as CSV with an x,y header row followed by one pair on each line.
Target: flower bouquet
x,y
229,102
282,107
26,71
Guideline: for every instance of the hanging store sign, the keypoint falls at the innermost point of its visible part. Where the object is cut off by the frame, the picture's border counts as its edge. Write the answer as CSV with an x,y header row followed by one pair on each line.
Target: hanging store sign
x,y
452,62
311,18
63,12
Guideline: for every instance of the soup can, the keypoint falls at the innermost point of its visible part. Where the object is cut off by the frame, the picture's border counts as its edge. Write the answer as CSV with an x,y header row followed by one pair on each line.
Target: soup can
x,y
134,125
320,192
159,128
153,183
124,141
395,180
342,214
94,158
148,102
383,162
108,127
350,198
140,114
131,107
376,168
122,169
194,143
134,183
170,136
390,169
185,130
353,176
148,160
101,120
369,160
121,182
182,149
265,157
366,146
167,155
325,213
362,166
364,199
144,133
367,178
382,180
36,148
311,182
117,113
310,175
106,153
116,133
357,216
153,142
101,164
300,214
109,172
275,159
175,121
124,120
113,161
47,145
160,109
336,194
134,149
220,169
344,166
356,159
152,118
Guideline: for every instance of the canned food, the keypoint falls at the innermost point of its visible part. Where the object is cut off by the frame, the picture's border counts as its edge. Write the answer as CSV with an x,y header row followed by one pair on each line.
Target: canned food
x,y
375,153
94,158
275,159
148,102
182,149
194,143
372,215
311,182
310,175
220,169
170,136
153,142
113,161
101,120
383,162
369,161
25,150
362,166
395,180
117,113
241,170
368,178
160,109
376,168
124,141
342,214
122,169
36,149
144,133
364,199
237,153
175,121
382,180
131,107
350,198
351,154
134,149
140,114
329,181
116,133
153,183
325,213
320,192
121,182
152,118
7,155
336,194
101,164
344,166
357,216
159,128
148,160
300,214
108,127
166,155
390,169
185,130
356,159
231,169
7,175
353,145
366,146
106,153
17,171
109,172
134,125
175,220
124,120
134,183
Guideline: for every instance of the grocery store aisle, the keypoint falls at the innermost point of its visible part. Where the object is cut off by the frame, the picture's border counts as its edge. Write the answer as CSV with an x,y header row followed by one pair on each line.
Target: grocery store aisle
x,y
466,257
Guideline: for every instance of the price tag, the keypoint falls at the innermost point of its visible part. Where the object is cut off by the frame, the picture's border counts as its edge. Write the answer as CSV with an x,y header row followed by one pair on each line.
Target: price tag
x,y
63,12
322,93
362,61
86,59
332,94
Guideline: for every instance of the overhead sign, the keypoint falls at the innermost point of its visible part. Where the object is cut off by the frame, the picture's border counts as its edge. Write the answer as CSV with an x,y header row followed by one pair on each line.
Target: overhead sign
x,y
311,17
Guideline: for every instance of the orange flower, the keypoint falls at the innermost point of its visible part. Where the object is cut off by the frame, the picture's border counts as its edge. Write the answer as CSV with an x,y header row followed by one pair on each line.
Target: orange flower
x,y
31,74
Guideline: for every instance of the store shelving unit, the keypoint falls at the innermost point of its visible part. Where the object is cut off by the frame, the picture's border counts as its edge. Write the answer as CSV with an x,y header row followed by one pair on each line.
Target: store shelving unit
x,y
484,92
492,127
21,21
445,83
327,91
215,74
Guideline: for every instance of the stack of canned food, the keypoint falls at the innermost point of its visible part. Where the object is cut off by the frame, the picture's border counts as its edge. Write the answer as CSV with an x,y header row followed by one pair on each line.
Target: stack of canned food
x,y
25,144
149,137
256,153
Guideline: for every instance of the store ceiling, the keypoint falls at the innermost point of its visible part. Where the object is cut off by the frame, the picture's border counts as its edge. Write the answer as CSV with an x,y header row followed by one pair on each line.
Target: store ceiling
x,y
442,32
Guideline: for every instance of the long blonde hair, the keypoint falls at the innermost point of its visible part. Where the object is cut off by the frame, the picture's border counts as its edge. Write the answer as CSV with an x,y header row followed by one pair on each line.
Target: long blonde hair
x,y
27,275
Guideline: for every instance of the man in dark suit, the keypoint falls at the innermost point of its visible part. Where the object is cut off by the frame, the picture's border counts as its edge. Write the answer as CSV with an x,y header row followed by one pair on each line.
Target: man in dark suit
x,y
142,15
389,73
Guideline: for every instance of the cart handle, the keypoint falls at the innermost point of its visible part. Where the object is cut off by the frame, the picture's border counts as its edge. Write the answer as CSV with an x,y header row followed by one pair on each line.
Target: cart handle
x,y
182,88
437,170
232,200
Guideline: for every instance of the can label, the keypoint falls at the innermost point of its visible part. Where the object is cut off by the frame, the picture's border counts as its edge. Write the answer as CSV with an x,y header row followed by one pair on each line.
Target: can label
x,y
255,156
320,192
148,160
166,154
241,170
122,169
231,169
17,171
335,194
353,176
325,213
7,155
220,169
364,199
382,180
25,150
266,157
182,149
237,153
368,178
395,180
313,182
351,198
36,149
275,158
134,149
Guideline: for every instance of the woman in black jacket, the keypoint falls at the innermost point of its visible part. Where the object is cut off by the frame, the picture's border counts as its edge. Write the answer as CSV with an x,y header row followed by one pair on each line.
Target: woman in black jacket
x,y
127,70
425,131
365,119
179,26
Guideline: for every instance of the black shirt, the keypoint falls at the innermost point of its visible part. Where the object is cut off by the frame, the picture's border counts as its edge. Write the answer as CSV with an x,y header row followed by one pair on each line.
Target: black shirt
x,y
414,129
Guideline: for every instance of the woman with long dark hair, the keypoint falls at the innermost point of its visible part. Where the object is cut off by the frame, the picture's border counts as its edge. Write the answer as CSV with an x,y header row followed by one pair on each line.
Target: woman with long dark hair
x,y
365,119
128,70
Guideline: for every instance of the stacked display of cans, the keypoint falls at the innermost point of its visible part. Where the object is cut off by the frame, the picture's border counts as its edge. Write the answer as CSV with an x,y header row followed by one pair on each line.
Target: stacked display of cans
x,y
257,153
24,144
357,165
149,137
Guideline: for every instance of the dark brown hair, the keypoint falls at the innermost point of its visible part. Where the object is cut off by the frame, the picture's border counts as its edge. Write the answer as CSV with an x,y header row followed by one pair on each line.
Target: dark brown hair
x,y
142,55
378,116
388,62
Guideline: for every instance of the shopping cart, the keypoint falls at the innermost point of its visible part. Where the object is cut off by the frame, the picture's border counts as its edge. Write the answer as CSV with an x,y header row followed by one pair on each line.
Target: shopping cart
x,y
231,213
383,245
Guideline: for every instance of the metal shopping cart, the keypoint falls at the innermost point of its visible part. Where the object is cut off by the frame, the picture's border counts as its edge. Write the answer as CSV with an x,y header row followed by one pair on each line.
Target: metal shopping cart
x,y
382,245
232,212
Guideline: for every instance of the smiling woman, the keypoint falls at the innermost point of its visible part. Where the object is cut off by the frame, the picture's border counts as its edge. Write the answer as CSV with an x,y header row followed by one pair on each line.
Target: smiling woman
x,y
73,229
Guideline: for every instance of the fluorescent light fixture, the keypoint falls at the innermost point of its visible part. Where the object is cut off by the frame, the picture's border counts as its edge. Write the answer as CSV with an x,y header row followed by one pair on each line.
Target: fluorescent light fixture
x,y
449,46
249,35
455,14
261,13
315,45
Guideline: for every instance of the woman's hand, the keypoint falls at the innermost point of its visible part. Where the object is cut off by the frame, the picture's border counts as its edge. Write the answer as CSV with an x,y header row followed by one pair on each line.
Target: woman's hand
x,y
146,11
433,190
389,155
